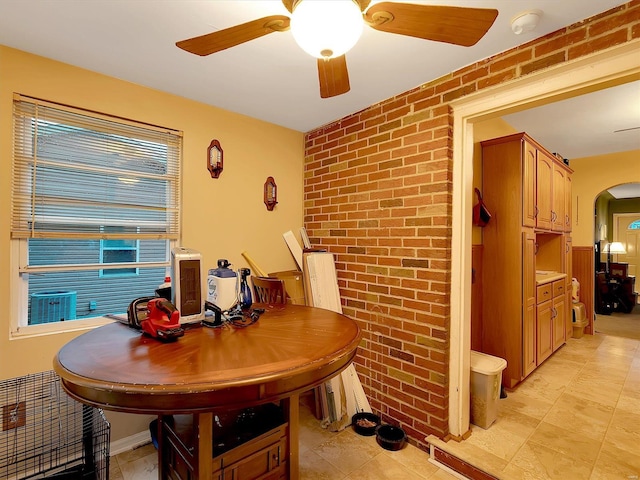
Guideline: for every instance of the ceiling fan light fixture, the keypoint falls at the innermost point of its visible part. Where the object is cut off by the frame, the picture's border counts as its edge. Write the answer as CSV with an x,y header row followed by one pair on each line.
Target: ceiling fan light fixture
x,y
326,29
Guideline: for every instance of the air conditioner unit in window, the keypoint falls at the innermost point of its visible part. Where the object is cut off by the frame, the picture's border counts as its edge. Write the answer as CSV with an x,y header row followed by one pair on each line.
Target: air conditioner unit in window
x,y
47,307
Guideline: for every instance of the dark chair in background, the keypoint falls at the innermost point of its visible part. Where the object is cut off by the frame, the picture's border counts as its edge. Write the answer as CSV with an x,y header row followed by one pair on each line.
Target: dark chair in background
x,y
615,291
269,290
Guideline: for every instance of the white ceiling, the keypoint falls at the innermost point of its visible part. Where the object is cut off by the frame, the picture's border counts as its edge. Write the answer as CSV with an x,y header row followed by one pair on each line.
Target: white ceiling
x,y
272,79
269,78
607,121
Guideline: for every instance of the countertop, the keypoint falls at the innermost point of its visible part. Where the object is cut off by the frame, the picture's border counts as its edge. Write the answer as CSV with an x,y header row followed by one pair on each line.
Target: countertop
x,y
546,276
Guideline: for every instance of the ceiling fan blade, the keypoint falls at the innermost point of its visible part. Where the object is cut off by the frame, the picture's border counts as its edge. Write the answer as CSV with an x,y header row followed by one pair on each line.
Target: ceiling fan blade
x,y
230,37
333,76
456,25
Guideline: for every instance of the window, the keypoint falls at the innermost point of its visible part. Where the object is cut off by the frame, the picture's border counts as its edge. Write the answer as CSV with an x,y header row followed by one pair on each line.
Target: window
x,y
94,211
635,225
118,251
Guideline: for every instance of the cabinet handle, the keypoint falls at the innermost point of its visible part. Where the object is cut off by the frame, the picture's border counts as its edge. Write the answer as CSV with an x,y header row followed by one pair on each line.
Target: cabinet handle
x,y
536,214
567,247
535,248
553,216
567,222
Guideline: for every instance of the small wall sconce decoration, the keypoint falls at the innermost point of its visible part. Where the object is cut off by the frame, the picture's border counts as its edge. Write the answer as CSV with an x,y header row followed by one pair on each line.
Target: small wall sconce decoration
x,y
214,159
270,193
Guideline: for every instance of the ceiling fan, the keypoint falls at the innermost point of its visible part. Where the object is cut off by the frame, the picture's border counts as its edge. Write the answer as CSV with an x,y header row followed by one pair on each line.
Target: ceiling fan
x,y
312,19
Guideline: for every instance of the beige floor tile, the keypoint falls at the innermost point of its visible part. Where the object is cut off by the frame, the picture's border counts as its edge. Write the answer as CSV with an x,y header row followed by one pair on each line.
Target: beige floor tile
x,y
580,415
545,463
629,402
542,388
136,453
312,435
560,371
114,470
600,391
382,467
624,431
500,439
347,451
613,463
568,443
314,467
145,468
443,475
414,459
519,401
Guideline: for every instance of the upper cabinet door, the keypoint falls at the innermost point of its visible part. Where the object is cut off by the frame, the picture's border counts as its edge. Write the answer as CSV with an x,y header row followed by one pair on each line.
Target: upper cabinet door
x,y
529,185
544,188
567,202
558,220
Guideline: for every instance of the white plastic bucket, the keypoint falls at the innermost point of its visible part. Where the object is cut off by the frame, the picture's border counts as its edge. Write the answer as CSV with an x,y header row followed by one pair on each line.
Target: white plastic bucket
x,y
486,382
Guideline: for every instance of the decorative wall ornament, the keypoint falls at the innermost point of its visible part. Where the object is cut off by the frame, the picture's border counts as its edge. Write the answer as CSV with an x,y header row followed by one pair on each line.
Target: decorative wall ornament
x,y
270,193
214,159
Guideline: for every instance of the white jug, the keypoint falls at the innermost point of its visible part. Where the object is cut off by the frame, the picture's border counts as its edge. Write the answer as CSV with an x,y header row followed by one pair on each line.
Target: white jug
x,y
222,286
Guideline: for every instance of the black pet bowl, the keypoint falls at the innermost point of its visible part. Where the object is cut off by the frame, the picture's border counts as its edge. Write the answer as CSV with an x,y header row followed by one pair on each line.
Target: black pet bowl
x,y
390,437
365,423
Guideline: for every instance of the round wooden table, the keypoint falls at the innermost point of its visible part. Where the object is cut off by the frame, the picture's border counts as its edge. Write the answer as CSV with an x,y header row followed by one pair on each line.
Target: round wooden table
x,y
289,350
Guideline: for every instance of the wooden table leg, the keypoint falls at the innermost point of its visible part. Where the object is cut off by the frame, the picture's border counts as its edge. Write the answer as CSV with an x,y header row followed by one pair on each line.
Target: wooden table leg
x,y
160,440
205,445
292,413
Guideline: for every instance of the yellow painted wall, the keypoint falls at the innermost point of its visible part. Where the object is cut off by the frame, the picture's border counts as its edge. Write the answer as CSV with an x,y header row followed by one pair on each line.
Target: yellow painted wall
x,y
220,218
485,130
591,176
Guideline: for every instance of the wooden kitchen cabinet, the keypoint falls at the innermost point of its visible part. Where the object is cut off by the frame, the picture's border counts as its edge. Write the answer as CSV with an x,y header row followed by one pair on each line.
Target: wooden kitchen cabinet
x,y
567,203
525,188
559,313
544,191
529,185
544,319
558,220
529,334
559,319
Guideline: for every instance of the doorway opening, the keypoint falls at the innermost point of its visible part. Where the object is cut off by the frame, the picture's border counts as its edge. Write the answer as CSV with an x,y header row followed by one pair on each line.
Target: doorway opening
x,y
613,67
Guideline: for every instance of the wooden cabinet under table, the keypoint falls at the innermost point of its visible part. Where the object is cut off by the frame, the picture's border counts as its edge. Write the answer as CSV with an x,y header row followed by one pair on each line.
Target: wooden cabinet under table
x,y
262,457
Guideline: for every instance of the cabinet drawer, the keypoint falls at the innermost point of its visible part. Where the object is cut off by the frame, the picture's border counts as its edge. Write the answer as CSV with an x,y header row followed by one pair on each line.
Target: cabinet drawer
x,y
543,292
559,287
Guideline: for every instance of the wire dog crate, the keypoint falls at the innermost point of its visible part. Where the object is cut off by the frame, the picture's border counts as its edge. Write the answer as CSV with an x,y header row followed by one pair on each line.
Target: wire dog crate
x,y
47,434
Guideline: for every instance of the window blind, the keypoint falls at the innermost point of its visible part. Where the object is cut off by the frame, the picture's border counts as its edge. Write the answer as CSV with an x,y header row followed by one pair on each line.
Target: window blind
x,y
79,174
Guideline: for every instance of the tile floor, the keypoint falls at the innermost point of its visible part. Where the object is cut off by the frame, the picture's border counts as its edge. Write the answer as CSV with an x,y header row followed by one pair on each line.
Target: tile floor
x,y
577,417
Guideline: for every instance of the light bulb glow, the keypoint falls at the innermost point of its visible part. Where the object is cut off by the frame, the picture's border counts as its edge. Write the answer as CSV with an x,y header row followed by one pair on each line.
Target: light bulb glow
x,y
326,28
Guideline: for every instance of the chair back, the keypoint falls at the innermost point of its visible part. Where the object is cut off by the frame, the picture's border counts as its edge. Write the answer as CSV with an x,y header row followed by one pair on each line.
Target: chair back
x,y
269,290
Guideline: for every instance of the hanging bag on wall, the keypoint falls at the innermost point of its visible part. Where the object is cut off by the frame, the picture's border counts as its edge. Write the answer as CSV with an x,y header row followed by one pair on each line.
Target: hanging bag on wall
x,y
481,215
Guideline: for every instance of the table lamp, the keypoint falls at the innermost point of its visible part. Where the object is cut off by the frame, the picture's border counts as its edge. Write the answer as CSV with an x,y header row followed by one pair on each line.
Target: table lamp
x,y
616,248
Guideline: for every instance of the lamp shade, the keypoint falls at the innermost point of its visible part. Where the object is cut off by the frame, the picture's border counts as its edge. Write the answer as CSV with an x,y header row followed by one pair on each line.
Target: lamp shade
x,y
616,248
326,29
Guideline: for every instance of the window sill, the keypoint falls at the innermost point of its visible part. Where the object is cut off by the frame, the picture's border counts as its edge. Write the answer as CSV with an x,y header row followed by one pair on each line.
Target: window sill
x,y
31,331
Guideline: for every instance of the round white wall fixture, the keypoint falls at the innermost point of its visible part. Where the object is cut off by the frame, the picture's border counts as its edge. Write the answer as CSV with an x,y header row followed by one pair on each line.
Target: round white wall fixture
x,y
525,21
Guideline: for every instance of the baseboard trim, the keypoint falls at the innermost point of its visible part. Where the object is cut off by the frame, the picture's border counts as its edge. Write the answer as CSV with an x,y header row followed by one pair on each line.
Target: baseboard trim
x,y
129,443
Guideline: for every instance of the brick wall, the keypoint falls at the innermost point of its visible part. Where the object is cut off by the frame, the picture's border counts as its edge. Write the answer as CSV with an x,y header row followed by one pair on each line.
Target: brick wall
x,y
378,189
